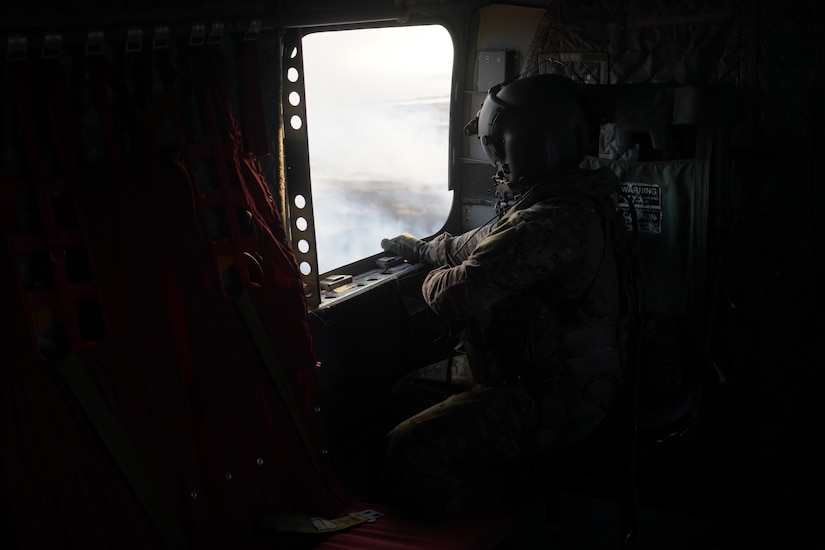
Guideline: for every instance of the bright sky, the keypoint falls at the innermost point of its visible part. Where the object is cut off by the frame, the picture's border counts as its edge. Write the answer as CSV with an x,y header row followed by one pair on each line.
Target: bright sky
x,y
412,61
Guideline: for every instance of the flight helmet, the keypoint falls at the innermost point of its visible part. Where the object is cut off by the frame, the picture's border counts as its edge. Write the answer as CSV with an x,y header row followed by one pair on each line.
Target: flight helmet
x,y
532,126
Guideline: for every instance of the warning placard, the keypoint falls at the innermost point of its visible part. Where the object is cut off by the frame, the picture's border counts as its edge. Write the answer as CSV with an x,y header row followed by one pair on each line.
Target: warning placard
x,y
646,199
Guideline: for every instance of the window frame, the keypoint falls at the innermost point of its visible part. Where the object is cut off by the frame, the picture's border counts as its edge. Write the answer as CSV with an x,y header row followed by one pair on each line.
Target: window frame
x,y
297,174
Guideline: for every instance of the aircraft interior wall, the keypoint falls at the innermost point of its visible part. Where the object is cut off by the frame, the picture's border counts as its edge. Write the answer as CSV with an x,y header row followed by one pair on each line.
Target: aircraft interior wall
x,y
147,242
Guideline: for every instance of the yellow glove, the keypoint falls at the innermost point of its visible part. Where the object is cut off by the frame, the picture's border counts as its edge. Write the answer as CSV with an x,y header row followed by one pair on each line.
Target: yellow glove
x,y
405,245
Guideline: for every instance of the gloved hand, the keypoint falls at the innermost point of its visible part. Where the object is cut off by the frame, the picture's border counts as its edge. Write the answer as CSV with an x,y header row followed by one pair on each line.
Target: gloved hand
x,y
405,245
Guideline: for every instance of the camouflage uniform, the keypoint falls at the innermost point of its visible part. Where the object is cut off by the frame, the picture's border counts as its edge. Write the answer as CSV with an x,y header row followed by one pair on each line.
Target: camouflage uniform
x,y
538,294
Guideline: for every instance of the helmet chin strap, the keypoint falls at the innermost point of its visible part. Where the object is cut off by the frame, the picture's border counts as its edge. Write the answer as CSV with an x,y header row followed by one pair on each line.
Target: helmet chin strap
x,y
506,200
510,194
504,195
503,191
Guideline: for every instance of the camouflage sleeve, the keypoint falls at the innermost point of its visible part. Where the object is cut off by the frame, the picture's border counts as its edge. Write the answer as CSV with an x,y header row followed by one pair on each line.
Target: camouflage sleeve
x,y
528,246
446,249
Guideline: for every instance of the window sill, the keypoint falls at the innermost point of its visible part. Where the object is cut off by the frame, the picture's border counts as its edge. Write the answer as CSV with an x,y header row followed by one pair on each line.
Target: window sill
x,y
366,280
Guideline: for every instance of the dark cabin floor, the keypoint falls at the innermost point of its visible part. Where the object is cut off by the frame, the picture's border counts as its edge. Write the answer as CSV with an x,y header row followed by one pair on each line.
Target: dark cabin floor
x,y
692,493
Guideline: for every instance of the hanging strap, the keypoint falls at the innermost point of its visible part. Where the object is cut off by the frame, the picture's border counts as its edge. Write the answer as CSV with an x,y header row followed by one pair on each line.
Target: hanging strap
x,y
49,104
101,74
155,109
275,371
226,203
100,416
221,127
69,290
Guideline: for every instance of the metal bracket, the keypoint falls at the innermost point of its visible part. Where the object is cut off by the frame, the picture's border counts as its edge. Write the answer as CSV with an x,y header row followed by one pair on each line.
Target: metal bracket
x,y
215,33
254,30
94,43
161,37
334,281
198,35
16,47
134,40
52,44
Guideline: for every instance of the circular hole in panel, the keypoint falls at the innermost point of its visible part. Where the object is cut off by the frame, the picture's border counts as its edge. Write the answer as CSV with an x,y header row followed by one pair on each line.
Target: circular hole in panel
x,y
292,74
300,201
303,246
296,122
301,224
294,99
306,269
293,53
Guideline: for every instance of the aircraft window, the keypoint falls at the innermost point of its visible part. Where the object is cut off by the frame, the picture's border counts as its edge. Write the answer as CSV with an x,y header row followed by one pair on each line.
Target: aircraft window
x,y
377,118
